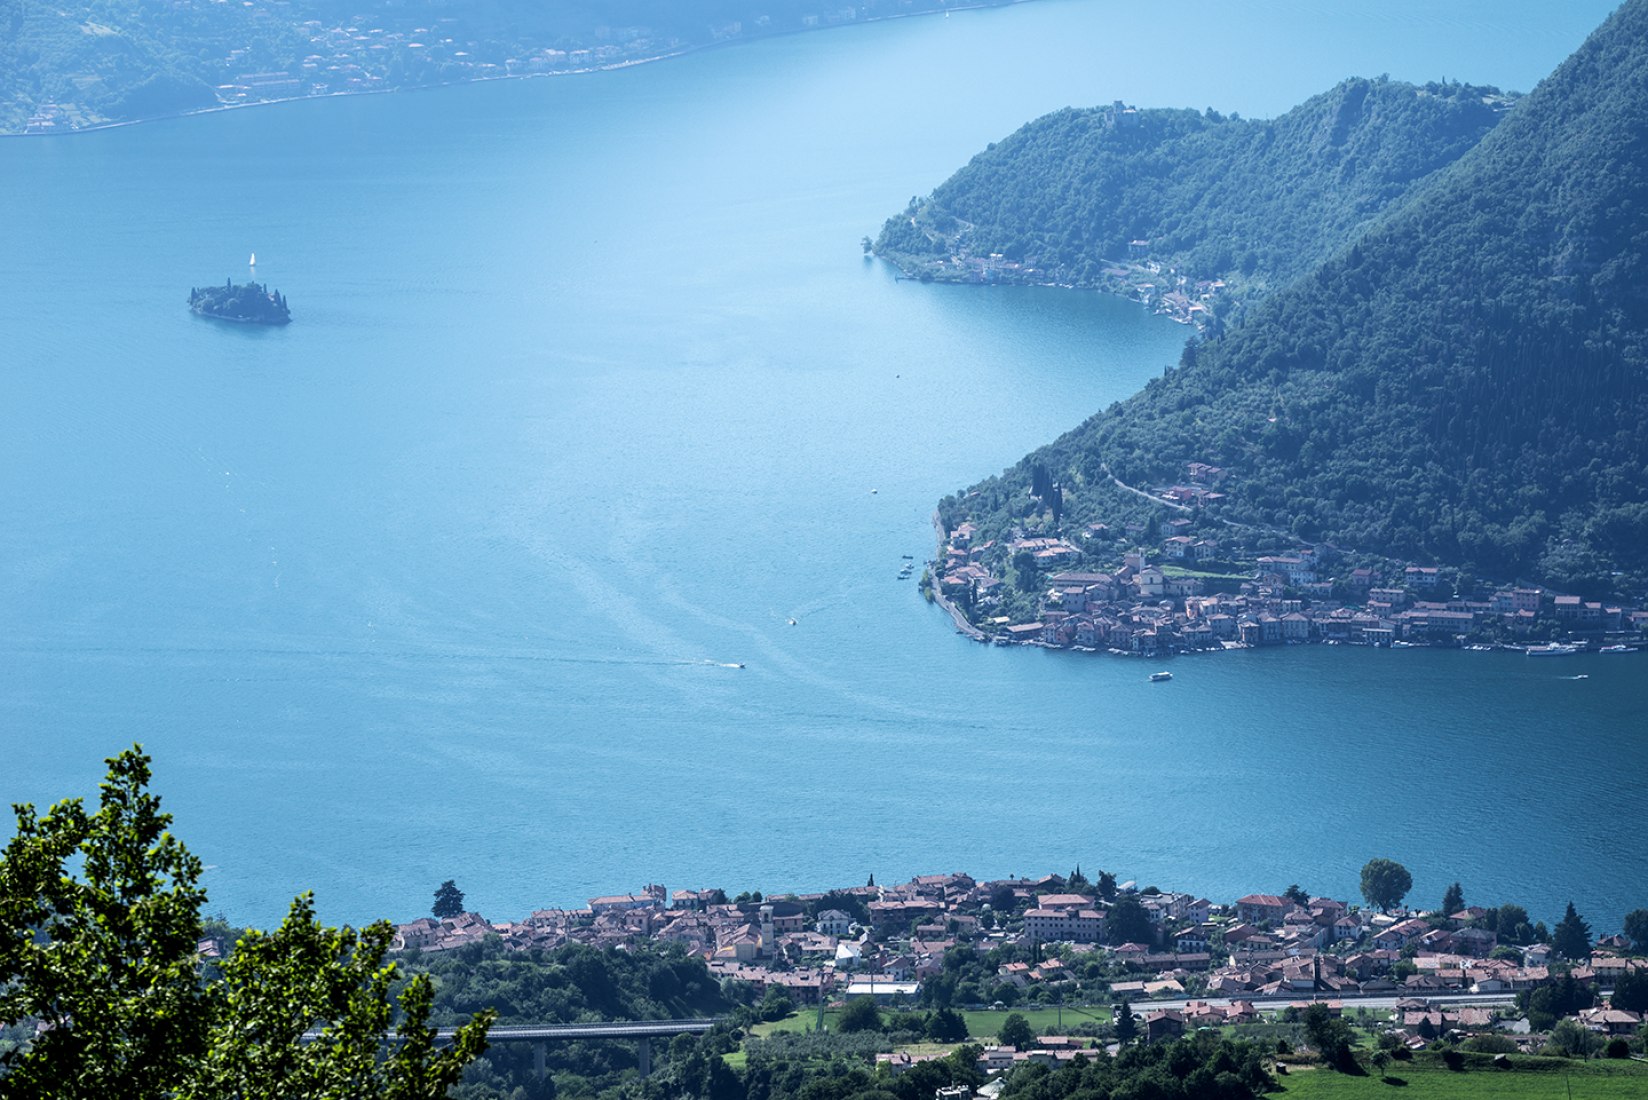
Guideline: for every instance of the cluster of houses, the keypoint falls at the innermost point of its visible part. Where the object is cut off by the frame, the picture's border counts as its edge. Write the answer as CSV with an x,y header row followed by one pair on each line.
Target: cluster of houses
x,y
1159,602
1259,949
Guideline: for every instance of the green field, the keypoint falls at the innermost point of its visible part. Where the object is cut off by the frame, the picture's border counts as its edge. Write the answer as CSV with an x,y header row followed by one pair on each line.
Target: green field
x,y
1427,1079
1177,571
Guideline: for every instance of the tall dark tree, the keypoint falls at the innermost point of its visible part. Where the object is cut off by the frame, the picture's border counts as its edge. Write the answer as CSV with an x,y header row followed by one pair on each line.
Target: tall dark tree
x,y
1511,924
860,1014
1636,927
1297,894
1107,886
1630,992
1385,882
1127,922
1015,1031
1127,1025
1453,900
1331,1036
449,901
1572,936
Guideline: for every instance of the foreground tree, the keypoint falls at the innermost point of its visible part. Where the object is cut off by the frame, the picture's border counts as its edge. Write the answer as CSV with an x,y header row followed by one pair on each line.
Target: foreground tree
x,y
99,922
449,901
1453,900
1385,883
103,961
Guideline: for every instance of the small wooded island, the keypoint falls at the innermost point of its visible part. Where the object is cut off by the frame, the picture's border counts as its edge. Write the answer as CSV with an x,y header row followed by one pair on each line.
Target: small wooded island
x,y
248,303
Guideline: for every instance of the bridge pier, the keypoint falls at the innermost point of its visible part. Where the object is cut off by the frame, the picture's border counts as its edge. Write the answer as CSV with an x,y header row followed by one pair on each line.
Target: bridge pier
x,y
539,1049
644,1049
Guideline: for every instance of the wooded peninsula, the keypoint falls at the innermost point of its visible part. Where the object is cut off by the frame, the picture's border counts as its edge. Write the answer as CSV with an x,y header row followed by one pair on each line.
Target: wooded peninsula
x,y
1423,333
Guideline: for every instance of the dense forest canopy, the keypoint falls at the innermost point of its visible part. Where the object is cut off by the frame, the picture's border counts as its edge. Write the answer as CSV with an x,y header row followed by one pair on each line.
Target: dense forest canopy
x,y
1215,196
1466,382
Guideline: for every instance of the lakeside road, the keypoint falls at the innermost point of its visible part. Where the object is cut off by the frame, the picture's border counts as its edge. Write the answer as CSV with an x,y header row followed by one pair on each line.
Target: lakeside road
x,y
962,625
1382,1000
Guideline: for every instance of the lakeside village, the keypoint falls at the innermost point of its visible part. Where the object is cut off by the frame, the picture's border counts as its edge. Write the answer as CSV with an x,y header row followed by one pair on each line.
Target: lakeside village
x,y
950,940
1202,589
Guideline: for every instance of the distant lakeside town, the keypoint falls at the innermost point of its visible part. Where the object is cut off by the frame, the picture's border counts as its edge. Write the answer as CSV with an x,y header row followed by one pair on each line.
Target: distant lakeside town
x,y
1202,586
951,940
263,56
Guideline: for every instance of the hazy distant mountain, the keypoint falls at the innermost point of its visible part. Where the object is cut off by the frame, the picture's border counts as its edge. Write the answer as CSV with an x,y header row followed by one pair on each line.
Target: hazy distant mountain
x,y
80,63
1468,381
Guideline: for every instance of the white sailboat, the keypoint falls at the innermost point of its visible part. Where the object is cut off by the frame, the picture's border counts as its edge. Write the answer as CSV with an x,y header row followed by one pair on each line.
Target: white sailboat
x,y
253,261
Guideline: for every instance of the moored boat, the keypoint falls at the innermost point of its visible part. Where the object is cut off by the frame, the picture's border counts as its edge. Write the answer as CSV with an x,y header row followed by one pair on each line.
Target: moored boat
x,y
1158,677
1554,649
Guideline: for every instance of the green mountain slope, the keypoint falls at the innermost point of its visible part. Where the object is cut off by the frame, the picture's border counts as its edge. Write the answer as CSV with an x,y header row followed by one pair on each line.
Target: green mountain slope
x,y
1257,203
1467,383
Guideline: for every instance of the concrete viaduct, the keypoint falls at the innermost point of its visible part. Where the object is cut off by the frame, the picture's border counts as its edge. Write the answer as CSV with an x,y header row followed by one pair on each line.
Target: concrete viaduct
x,y
643,1032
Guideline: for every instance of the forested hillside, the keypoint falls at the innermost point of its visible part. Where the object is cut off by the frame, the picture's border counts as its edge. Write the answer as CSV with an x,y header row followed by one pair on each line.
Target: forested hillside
x,y
1257,203
1466,383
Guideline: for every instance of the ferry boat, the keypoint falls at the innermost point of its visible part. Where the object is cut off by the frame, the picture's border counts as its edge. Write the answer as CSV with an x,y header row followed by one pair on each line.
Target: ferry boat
x,y
1158,677
1555,649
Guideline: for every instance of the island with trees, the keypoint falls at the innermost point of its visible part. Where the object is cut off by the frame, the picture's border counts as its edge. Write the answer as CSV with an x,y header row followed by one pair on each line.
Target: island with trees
x,y
245,303
1446,373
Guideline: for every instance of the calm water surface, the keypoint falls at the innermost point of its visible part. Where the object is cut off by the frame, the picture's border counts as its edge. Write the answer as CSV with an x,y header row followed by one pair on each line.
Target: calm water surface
x,y
587,396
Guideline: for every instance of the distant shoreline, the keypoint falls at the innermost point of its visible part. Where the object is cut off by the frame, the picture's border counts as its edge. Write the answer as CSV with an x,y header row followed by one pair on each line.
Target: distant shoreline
x,y
977,5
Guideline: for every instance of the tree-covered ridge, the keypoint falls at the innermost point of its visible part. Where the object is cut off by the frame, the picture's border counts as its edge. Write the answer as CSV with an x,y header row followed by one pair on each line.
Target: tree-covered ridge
x,y
1214,197
1466,383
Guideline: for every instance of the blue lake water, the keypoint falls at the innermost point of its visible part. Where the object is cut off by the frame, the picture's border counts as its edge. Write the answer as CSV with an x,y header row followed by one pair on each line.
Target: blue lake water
x,y
587,395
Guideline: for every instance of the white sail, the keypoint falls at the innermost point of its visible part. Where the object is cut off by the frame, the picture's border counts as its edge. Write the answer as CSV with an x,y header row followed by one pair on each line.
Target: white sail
x,y
253,261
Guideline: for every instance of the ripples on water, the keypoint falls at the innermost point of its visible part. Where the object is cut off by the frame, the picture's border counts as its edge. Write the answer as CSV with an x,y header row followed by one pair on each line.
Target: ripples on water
x,y
585,398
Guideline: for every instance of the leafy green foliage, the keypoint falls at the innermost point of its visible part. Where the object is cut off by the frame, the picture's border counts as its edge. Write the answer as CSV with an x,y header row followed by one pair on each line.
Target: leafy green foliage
x,y
1630,991
861,1014
1127,922
1385,882
1636,927
1332,1037
1015,1031
1201,1067
105,959
1547,1003
101,919
449,901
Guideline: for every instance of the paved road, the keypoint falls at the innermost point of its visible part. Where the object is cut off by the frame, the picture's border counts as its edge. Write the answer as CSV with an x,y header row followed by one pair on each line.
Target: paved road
x,y
1274,1004
637,1029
